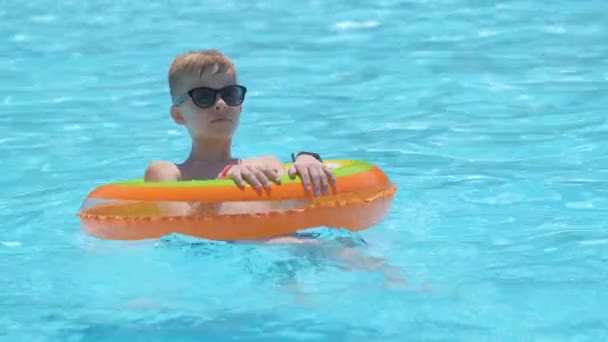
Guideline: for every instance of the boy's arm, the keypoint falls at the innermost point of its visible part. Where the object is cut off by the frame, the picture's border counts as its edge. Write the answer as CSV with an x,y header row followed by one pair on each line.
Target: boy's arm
x,y
163,171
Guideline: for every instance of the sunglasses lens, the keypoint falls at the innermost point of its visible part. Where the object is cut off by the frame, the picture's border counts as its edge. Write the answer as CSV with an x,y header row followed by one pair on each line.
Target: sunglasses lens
x,y
233,95
203,98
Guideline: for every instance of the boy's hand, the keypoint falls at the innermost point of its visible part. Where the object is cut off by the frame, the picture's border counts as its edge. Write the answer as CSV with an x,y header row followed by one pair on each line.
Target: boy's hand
x,y
312,170
257,175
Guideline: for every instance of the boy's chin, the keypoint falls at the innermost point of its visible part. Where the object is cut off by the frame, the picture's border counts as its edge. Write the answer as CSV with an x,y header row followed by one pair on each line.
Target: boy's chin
x,y
217,135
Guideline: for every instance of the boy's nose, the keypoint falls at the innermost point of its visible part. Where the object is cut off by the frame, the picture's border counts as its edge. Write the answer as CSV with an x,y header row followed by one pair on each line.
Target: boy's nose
x,y
220,104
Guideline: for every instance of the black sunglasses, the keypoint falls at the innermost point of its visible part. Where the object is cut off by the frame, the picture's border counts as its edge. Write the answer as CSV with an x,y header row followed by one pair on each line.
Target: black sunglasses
x,y
204,97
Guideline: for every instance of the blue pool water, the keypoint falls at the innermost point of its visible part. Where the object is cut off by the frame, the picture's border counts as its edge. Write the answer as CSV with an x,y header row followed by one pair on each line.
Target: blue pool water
x,y
489,116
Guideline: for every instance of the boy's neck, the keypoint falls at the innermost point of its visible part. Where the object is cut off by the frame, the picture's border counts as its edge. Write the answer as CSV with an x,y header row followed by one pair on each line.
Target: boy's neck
x,y
211,151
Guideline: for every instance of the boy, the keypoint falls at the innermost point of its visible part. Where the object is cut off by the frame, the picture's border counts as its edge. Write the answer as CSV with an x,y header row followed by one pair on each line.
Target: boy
x,y
207,101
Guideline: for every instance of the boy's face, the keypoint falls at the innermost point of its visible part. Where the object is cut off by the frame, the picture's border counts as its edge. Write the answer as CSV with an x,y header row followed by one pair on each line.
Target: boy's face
x,y
205,113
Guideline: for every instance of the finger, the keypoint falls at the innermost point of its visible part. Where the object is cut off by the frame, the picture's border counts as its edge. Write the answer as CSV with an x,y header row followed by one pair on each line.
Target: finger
x,y
251,178
238,179
305,177
315,177
279,175
273,174
261,177
323,180
292,172
330,175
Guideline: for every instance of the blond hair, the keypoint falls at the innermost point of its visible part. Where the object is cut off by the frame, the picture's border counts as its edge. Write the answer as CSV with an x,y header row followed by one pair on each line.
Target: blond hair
x,y
195,63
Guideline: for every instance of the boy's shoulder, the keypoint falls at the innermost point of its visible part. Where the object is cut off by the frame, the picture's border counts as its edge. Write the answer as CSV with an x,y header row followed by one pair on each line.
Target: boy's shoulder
x,y
162,171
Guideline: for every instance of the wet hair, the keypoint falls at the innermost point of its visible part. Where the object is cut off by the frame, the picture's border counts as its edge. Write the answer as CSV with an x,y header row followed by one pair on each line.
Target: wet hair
x,y
195,63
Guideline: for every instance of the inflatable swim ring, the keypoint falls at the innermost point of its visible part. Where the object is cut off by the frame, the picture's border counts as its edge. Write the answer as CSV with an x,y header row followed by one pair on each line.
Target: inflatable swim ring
x,y
134,209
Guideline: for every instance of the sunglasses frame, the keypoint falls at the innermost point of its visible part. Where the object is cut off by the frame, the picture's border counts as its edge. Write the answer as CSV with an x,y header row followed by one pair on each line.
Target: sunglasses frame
x,y
216,91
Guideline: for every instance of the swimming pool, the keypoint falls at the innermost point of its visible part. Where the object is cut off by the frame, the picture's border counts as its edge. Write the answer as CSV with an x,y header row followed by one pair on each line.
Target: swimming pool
x,y
491,119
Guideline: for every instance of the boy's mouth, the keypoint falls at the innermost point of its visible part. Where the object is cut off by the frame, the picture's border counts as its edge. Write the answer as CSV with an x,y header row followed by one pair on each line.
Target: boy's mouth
x,y
221,120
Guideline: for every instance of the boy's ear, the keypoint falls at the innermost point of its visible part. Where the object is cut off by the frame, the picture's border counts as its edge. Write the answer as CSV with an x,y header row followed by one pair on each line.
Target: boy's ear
x,y
177,115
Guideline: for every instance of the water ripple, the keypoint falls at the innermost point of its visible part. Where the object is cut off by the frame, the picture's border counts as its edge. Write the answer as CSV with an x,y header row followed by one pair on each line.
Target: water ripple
x,y
488,116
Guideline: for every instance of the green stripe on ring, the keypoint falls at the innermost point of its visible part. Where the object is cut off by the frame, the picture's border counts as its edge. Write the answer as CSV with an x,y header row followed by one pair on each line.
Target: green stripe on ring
x,y
343,169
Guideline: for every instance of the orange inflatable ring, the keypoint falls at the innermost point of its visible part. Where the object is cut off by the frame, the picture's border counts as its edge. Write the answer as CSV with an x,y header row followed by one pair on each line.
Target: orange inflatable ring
x,y
134,209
